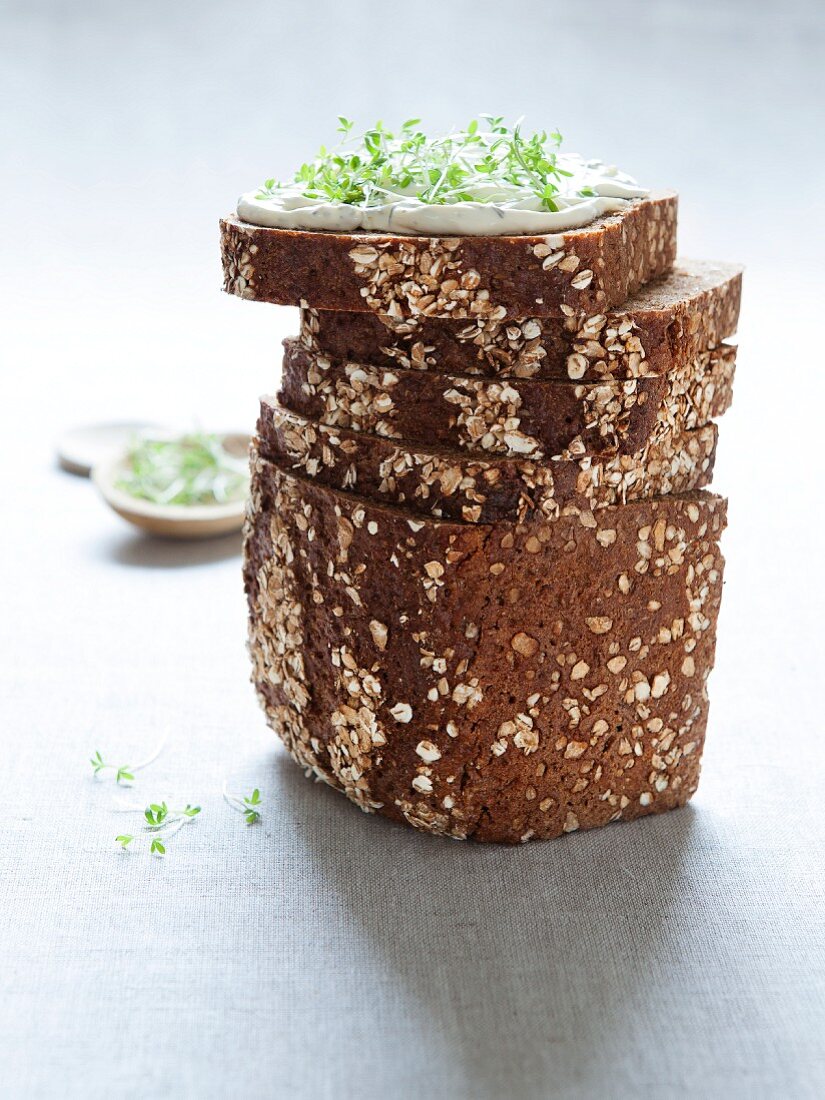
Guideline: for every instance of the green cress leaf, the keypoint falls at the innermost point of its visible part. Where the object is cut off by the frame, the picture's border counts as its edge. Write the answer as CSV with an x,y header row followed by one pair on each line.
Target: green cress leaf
x,y
363,170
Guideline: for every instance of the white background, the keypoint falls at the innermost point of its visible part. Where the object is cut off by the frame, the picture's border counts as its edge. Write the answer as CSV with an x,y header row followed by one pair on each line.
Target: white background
x,y
326,954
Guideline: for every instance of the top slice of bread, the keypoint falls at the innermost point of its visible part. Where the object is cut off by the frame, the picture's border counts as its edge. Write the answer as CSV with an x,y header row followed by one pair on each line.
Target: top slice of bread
x,y
591,269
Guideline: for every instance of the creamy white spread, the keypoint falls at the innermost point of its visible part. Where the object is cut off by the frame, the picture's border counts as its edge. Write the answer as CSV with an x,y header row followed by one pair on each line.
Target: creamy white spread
x,y
499,208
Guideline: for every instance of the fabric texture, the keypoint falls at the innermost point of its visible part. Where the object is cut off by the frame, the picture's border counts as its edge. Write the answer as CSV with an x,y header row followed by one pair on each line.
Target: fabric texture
x,y
325,954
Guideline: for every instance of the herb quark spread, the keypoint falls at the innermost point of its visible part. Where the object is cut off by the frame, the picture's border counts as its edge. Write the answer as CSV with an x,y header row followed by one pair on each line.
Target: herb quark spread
x,y
487,180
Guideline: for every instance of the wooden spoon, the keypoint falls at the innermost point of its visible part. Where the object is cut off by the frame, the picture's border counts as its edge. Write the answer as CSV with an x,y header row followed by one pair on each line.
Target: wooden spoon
x,y
174,521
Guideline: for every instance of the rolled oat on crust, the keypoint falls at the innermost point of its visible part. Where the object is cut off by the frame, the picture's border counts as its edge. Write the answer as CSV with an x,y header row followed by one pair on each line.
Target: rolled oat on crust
x,y
589,269
502,683
474,488
514,417
662,327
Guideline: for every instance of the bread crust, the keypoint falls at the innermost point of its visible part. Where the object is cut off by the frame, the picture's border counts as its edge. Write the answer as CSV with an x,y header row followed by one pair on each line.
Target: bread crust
x,y
502,682
589,269
662,327
514,417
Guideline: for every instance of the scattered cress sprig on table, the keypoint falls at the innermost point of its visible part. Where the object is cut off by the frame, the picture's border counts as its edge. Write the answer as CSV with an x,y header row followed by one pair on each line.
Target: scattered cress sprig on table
x,y
100,765
251,812
249,805
124,773
160,817
157,847
381,165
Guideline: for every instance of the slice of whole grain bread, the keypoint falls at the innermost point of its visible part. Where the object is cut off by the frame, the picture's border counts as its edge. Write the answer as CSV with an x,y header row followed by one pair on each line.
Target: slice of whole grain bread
x,y
590,269
476,488
516,417
663,326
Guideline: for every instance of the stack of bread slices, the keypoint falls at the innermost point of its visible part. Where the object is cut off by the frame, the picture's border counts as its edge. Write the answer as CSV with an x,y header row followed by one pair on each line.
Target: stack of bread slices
x,y
482,566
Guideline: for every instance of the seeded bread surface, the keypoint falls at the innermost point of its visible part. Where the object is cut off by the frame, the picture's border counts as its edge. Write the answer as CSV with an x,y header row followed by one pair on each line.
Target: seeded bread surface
x,y
503,683
472,488
660,328
588,269
514,417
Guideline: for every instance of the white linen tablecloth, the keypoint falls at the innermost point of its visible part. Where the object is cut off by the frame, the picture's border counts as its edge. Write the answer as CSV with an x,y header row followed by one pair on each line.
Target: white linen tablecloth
x,y
325,953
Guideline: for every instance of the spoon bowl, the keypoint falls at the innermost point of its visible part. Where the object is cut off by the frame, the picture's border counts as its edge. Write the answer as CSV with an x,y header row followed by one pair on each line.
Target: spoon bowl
x,y
174,521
